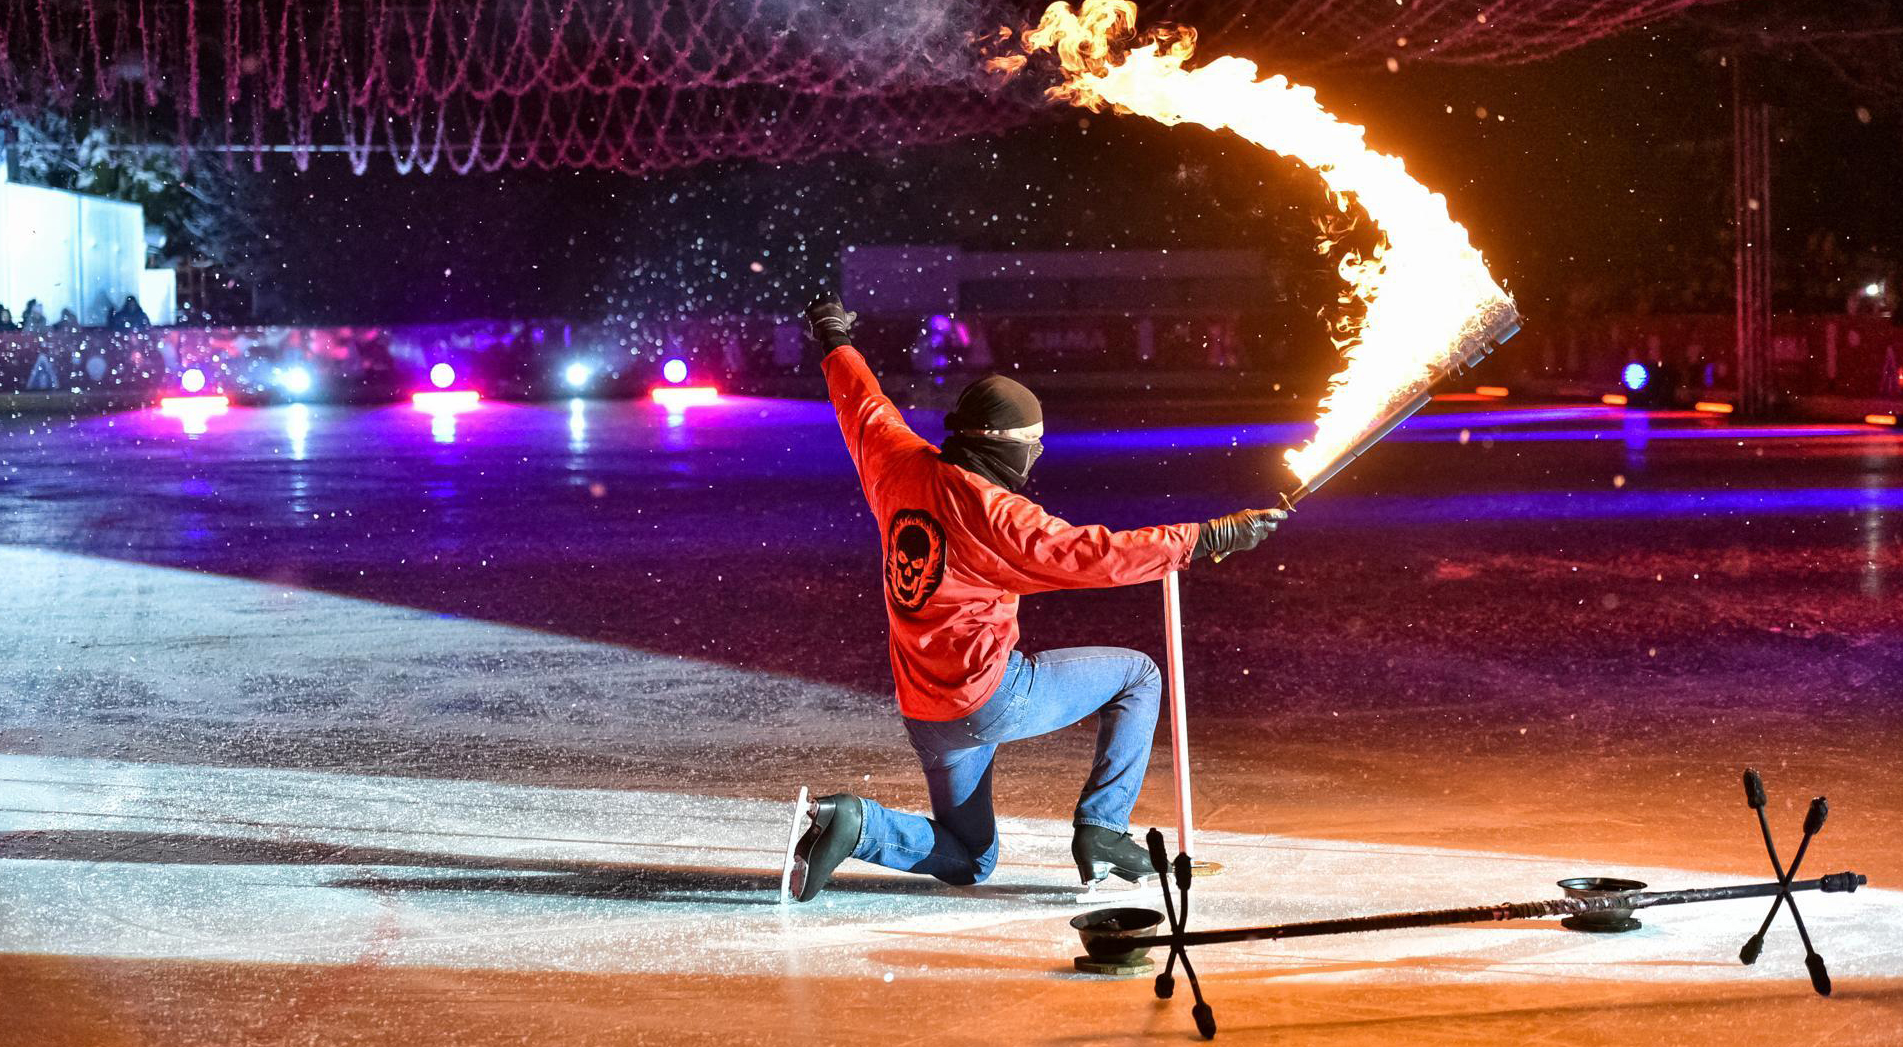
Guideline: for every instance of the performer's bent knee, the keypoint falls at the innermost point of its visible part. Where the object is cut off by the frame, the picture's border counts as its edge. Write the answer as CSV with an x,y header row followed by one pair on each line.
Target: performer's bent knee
x,y
1150,674
977,875
1148,679
978,872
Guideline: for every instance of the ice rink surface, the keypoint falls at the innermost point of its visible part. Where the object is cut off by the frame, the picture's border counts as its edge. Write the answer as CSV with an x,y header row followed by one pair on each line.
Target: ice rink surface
x,y
162,862
334,725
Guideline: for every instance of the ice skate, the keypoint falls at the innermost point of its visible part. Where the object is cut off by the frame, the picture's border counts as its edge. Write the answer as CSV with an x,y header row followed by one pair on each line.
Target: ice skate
x,y
1108,862
831,825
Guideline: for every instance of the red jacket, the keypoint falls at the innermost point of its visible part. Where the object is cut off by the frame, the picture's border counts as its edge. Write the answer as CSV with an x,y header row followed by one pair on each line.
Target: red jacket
x,y
959,550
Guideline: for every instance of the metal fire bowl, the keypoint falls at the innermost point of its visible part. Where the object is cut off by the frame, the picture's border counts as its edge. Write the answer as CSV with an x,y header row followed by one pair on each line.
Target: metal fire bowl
x,y
1106,933
1603,921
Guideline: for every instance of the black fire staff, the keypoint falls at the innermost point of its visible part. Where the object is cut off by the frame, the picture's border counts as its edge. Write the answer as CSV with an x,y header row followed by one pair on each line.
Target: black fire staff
x,y
1120,937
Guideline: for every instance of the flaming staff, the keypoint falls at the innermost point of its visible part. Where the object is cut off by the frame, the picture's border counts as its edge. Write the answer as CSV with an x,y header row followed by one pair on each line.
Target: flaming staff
x,y
1429,308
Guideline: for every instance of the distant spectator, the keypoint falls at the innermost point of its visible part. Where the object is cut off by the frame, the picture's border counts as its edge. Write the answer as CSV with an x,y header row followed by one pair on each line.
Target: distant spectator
x,y
6,320
129,317
68,321
34,317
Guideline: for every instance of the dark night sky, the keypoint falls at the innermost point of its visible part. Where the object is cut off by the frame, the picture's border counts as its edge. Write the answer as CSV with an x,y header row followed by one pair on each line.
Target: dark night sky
x,y
1607,169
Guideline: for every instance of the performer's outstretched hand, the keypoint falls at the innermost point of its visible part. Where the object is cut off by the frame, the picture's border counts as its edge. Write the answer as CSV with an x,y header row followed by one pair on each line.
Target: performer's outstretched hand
x,y
831,323
1237,532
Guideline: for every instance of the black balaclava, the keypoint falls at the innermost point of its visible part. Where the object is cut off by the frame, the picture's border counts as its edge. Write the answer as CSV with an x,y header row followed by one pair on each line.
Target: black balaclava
x,y
993,402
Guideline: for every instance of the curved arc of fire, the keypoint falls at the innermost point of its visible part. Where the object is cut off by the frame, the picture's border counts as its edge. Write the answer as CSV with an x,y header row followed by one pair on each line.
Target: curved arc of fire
x,y
1425,288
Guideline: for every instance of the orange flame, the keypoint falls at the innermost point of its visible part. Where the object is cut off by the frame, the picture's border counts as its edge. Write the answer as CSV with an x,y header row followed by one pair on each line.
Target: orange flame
x,y
1426,290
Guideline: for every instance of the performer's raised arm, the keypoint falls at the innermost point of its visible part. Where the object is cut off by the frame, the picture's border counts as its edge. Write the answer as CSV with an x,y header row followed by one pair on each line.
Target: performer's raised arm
x,y
868,419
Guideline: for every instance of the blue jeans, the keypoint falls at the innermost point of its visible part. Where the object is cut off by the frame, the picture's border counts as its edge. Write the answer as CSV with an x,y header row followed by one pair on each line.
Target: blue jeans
x,y
1039,693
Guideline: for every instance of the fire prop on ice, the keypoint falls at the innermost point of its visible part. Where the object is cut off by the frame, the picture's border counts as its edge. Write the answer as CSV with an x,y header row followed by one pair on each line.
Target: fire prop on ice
x,y
1431,308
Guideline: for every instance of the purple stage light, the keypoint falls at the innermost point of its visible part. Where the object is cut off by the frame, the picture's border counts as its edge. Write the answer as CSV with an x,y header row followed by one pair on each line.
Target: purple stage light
x,y
453,402
192,381
174,406
1498,426
442,376
1636,376
679,398
1622,503
193,412
1509,416
675,371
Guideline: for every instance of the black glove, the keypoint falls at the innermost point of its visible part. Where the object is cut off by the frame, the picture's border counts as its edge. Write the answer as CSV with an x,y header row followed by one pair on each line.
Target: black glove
x,y
1237,532
831,323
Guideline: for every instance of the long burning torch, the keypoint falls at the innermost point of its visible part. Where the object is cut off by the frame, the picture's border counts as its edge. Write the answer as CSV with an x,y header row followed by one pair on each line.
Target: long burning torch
x,y
1428,306
1471,351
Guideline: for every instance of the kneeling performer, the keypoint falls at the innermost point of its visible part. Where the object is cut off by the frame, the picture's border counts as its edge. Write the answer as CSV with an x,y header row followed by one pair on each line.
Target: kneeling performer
x,y
960,547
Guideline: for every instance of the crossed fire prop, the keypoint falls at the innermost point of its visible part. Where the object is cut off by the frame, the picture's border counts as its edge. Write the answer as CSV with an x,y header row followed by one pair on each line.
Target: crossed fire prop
x,y
1116,940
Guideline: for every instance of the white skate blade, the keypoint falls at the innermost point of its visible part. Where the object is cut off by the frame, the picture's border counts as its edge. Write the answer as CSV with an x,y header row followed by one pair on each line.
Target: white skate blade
x,y
800,806
1113,889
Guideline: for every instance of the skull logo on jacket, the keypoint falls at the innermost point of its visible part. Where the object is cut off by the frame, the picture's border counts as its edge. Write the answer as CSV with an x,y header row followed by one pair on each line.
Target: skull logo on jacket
x,y
915,558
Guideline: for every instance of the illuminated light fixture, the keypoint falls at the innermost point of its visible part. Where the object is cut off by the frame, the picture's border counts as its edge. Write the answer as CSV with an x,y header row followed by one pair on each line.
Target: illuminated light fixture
x,y
446,402
296,381
184,406
1880,419
442,376
1636,376
1872,290
1613,400
577,374
192,381
194,412
679,397
675,371
1495,391
1712,407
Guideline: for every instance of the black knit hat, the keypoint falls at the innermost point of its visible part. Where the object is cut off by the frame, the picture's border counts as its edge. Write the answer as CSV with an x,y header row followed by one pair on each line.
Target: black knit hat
x,y
994,402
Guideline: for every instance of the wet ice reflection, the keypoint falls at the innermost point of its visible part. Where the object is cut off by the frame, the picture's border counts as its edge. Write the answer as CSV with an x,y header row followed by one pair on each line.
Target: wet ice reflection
x,y
443,407
1637,430
1878,545
297,428
577,426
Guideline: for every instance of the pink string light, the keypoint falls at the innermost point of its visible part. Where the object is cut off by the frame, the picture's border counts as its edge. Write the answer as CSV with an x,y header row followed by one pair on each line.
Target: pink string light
x,y
1346,32
649,85
480,85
